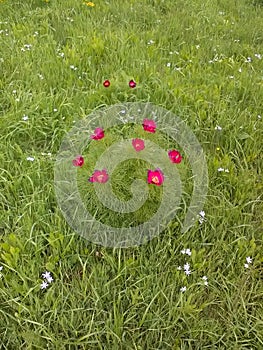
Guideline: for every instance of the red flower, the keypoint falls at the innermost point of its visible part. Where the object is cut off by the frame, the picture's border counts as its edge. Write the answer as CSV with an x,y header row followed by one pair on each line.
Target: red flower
x,y
155,177
132,84
78,161
175,156
98,134
149,125
138,144
106,83
100,176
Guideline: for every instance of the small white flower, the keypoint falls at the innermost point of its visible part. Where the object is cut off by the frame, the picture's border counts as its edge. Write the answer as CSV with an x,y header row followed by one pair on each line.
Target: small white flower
x,y
220,169
258,55
168,64
187,267
259,116
240,70
248,259
226,171
44,285
231,77
61,54
248,60
246,266
46,275
188,272
150,42
205,283
1,268
50,279
73,67
31,159
27,46
183,289
55,110
188,252
25,117
14,91
40,76
183,251
218,128
179,268
201,217
204,278
197,47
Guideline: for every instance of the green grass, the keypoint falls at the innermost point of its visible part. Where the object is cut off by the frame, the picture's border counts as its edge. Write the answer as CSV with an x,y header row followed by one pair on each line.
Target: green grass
x,y
104,298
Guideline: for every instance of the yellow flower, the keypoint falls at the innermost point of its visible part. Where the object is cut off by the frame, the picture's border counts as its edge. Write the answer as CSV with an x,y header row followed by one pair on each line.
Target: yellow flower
x,y
91,4
218,148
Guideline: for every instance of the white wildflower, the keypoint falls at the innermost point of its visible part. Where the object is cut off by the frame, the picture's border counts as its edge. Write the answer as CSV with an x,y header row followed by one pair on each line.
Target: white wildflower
x,y
188,252
44,285
248,259
187,267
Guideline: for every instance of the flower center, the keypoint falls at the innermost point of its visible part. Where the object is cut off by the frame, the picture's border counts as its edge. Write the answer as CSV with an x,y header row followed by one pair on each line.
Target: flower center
x,y
155,180
100,178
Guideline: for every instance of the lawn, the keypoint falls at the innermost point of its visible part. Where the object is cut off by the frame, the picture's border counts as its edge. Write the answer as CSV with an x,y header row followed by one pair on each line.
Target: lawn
x,y
199,289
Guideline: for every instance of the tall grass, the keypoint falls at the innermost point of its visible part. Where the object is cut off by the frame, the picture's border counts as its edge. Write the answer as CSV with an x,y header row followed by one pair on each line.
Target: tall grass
x,y
192,58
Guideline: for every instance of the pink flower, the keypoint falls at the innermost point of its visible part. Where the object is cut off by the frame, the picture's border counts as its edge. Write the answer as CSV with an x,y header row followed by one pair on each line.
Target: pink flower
x,y
98,134
155,177
175,156
149,125
138,144
132,84
78,161
100,176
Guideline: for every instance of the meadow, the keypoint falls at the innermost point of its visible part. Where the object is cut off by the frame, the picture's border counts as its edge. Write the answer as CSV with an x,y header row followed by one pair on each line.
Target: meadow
x,y
201,60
